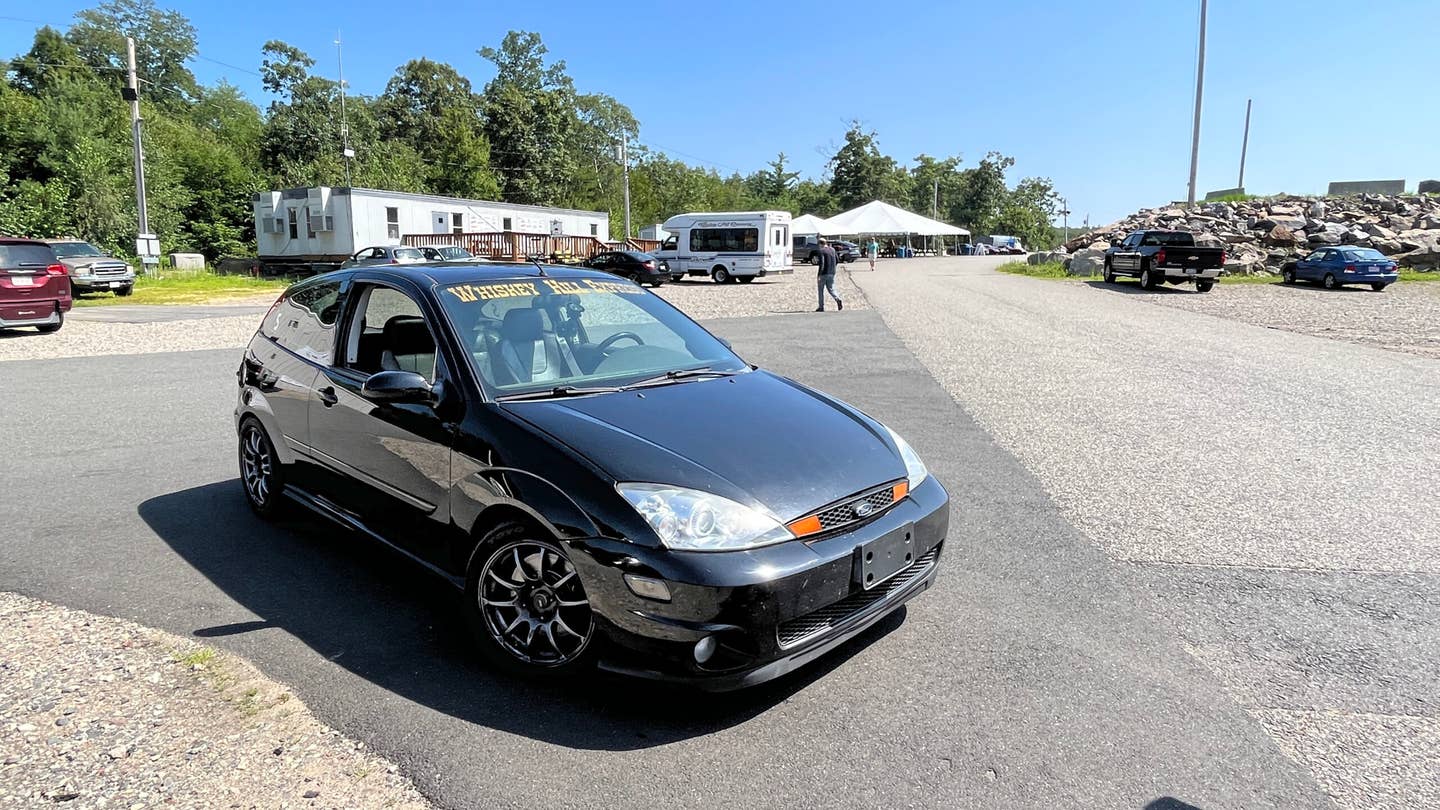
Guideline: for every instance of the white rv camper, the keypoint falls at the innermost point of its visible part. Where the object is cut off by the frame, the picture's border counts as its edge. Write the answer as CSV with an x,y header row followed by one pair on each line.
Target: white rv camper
x,y
728,246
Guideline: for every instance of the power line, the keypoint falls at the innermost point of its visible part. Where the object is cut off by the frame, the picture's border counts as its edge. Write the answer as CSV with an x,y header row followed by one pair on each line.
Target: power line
x,y
228,65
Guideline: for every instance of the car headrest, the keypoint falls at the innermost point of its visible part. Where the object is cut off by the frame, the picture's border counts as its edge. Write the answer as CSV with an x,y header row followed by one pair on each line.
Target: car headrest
x,y
521,325
407,334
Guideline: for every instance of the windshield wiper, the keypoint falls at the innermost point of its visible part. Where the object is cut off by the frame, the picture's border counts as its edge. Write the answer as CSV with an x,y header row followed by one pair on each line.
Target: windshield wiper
x,y
558,392
679,374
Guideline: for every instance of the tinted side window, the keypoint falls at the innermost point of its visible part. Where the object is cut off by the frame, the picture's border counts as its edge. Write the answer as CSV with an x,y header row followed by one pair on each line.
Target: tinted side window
x,y
304,321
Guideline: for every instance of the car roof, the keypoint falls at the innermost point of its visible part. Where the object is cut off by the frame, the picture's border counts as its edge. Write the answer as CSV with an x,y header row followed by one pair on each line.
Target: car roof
x,y
463,272
62,241
20,240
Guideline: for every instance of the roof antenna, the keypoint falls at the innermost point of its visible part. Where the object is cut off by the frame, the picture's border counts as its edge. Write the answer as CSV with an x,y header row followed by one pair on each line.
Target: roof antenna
x,y
535,260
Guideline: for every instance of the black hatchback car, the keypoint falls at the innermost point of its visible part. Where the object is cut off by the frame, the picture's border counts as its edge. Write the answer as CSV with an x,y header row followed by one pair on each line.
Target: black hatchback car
x,y
514,429
641,268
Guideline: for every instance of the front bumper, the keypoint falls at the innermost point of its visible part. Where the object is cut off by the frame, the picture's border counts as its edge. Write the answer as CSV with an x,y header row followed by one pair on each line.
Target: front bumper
x,y
770,610
103,282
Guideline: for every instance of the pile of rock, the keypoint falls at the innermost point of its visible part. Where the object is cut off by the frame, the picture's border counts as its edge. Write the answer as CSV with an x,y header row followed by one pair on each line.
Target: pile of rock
x,y
1261,235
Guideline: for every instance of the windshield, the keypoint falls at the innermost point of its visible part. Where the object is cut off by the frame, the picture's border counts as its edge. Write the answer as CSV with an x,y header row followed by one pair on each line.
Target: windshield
x,y
409,253
1365,255
453,252
538,334
71,250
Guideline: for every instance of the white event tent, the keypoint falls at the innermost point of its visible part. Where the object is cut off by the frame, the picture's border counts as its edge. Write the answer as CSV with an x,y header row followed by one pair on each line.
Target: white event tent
x,y
807,224
883,219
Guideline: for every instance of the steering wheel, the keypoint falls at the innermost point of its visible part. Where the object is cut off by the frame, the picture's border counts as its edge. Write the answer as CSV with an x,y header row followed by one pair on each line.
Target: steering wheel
x,y
610,341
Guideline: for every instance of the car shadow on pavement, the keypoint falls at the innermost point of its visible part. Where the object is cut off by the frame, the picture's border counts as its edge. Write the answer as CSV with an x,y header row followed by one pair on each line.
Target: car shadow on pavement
x,y
1133,288
368,610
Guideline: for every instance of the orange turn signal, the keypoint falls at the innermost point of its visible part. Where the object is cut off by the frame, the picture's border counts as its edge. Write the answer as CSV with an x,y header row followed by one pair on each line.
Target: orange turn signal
x,y
805,526
901,490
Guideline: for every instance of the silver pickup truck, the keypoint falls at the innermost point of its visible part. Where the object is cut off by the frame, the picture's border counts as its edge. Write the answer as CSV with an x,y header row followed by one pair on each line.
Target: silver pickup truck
x,y
91,270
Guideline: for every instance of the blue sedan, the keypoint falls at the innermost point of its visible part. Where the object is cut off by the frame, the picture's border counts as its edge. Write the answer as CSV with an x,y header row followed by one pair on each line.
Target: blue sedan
x,y
1335,267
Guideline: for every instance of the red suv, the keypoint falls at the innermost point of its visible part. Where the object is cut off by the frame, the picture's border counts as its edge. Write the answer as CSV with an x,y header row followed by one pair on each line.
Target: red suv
x,y
34,287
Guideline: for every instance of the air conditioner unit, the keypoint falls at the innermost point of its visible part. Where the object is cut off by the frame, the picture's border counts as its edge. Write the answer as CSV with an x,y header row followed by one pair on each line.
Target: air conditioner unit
x,y
319,222
269,225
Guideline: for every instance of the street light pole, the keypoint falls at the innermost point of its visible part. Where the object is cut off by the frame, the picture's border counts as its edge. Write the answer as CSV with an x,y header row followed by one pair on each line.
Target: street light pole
x,y
1199,93
143,237
1065,217
346,151
625,162
1244,145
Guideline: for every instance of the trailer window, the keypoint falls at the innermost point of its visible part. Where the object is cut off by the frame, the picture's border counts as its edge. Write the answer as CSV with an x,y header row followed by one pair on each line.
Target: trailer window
x,y
457,224
294,224
505,224
725,240
392,222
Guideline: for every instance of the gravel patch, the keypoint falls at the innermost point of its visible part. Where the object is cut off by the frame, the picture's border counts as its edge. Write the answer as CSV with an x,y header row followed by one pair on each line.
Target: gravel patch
x,y
1364,761
787,294
1404,318
88,335
87,338
100,712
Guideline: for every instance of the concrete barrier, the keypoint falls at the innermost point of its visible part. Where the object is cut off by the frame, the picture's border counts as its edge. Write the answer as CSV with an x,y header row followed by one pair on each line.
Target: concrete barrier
x,y
1367,187
1224,192
187,261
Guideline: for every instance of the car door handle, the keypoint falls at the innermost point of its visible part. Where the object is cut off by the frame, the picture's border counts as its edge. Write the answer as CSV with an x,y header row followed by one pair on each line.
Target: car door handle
x,y
327,396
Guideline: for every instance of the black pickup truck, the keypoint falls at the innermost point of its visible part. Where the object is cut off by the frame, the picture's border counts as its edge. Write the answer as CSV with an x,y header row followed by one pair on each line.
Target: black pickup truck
x,y
1156,257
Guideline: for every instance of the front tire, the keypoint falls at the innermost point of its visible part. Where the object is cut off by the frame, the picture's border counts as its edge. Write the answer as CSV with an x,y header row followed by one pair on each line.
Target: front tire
x,y
1330,282
1287,276
124,291
526,606
1204,286
261,474
1109,273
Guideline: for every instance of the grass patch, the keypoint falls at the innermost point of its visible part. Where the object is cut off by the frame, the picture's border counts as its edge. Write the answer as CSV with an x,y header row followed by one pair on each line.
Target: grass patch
x,y
188,287
1046,270
199,656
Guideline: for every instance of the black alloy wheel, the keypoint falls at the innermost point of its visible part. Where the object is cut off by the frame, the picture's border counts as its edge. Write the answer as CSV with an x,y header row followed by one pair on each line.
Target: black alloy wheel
x,y
527,605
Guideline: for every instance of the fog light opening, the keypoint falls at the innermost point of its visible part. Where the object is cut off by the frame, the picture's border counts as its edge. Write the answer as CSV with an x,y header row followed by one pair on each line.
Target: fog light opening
x,y
648,588
704,649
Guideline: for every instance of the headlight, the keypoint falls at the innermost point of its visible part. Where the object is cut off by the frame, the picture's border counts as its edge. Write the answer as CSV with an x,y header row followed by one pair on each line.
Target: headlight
x,y
914,468
691,520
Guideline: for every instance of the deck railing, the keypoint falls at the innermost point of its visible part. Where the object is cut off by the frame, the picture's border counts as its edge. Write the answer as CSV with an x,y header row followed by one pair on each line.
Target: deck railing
x,y
513,246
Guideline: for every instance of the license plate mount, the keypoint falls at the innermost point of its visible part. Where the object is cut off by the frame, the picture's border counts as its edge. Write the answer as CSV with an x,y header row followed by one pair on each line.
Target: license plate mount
x,y
885,556
22,281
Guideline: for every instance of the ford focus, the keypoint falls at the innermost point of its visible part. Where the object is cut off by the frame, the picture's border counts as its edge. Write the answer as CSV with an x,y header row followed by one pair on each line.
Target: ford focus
x,y
544,439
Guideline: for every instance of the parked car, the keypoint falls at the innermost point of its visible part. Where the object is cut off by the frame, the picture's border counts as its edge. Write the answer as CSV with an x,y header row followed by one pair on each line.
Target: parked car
x,y
845,251
807,248
384,254
91,269
34,287
641,268
1335,267
513,430
1156,257
448,253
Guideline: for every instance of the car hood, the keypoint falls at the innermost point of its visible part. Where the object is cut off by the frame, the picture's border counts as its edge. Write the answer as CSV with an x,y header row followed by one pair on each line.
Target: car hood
x,y
82,261
753,438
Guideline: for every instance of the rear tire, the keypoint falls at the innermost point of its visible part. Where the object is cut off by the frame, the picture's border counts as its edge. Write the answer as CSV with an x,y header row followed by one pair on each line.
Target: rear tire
x,y
1378,287
1204,286
526,606
1330,282
123,291
51,328
721,275
262,476
1148,279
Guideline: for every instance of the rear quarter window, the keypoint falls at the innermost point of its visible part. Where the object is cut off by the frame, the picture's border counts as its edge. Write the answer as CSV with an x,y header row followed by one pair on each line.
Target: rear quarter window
x,y
18,255
303,321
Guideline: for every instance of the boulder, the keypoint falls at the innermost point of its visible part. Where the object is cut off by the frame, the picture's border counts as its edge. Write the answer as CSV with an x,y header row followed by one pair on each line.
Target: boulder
x,y
1208,240
1429,222
1378,230
1087,263
1423,259
1323,238
1317,209
1389,247
1101,246
1284,210
1294,222
187,261
1279,236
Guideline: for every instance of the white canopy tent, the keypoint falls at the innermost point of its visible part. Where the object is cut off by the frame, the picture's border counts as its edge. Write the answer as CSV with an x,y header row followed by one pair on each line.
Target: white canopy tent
x,y
807,224
882,218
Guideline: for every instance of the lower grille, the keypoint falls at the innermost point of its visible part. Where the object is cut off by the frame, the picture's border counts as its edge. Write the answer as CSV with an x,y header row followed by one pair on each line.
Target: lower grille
x,y
817,622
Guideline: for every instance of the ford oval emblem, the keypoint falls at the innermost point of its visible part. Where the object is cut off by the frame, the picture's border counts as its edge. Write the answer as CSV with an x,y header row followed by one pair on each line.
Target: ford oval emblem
x,y
863,509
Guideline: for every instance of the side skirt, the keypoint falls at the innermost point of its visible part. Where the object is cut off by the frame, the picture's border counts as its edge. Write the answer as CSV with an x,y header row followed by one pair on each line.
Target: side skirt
x,y
325,508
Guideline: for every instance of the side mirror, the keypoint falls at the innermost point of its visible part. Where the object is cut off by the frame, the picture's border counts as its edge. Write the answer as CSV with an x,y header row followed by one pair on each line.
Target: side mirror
x,y
397,386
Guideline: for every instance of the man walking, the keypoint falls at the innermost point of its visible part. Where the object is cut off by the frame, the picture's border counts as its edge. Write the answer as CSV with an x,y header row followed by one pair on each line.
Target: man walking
x,y
826,279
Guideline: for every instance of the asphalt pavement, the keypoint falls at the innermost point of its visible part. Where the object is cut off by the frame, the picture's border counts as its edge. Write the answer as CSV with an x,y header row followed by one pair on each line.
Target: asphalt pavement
x,y
1039,671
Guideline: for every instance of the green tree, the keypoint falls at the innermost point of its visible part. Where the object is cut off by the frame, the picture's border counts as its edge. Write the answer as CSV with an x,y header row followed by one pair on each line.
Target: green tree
x,y
980,193
1027,210
862,173
431,108
530,118
164,42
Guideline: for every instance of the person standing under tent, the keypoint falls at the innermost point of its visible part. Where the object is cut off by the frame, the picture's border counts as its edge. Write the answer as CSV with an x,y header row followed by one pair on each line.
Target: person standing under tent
x,y
825,280
874,250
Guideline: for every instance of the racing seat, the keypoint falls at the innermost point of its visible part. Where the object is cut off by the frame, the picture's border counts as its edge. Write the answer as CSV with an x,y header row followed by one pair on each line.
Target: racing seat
x,y
527,353
408,346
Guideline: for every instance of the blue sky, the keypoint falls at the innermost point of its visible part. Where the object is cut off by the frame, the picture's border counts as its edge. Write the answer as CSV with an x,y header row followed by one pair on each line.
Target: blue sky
x,y
1096,95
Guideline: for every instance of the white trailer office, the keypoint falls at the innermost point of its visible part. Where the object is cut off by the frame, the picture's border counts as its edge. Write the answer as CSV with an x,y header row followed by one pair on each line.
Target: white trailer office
x,y
325,224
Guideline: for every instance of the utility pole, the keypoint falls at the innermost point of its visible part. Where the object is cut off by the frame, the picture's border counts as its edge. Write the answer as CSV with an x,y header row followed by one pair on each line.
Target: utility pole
x,y
145,243
1199,93
1244,145
1065,217
344,122
625,164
